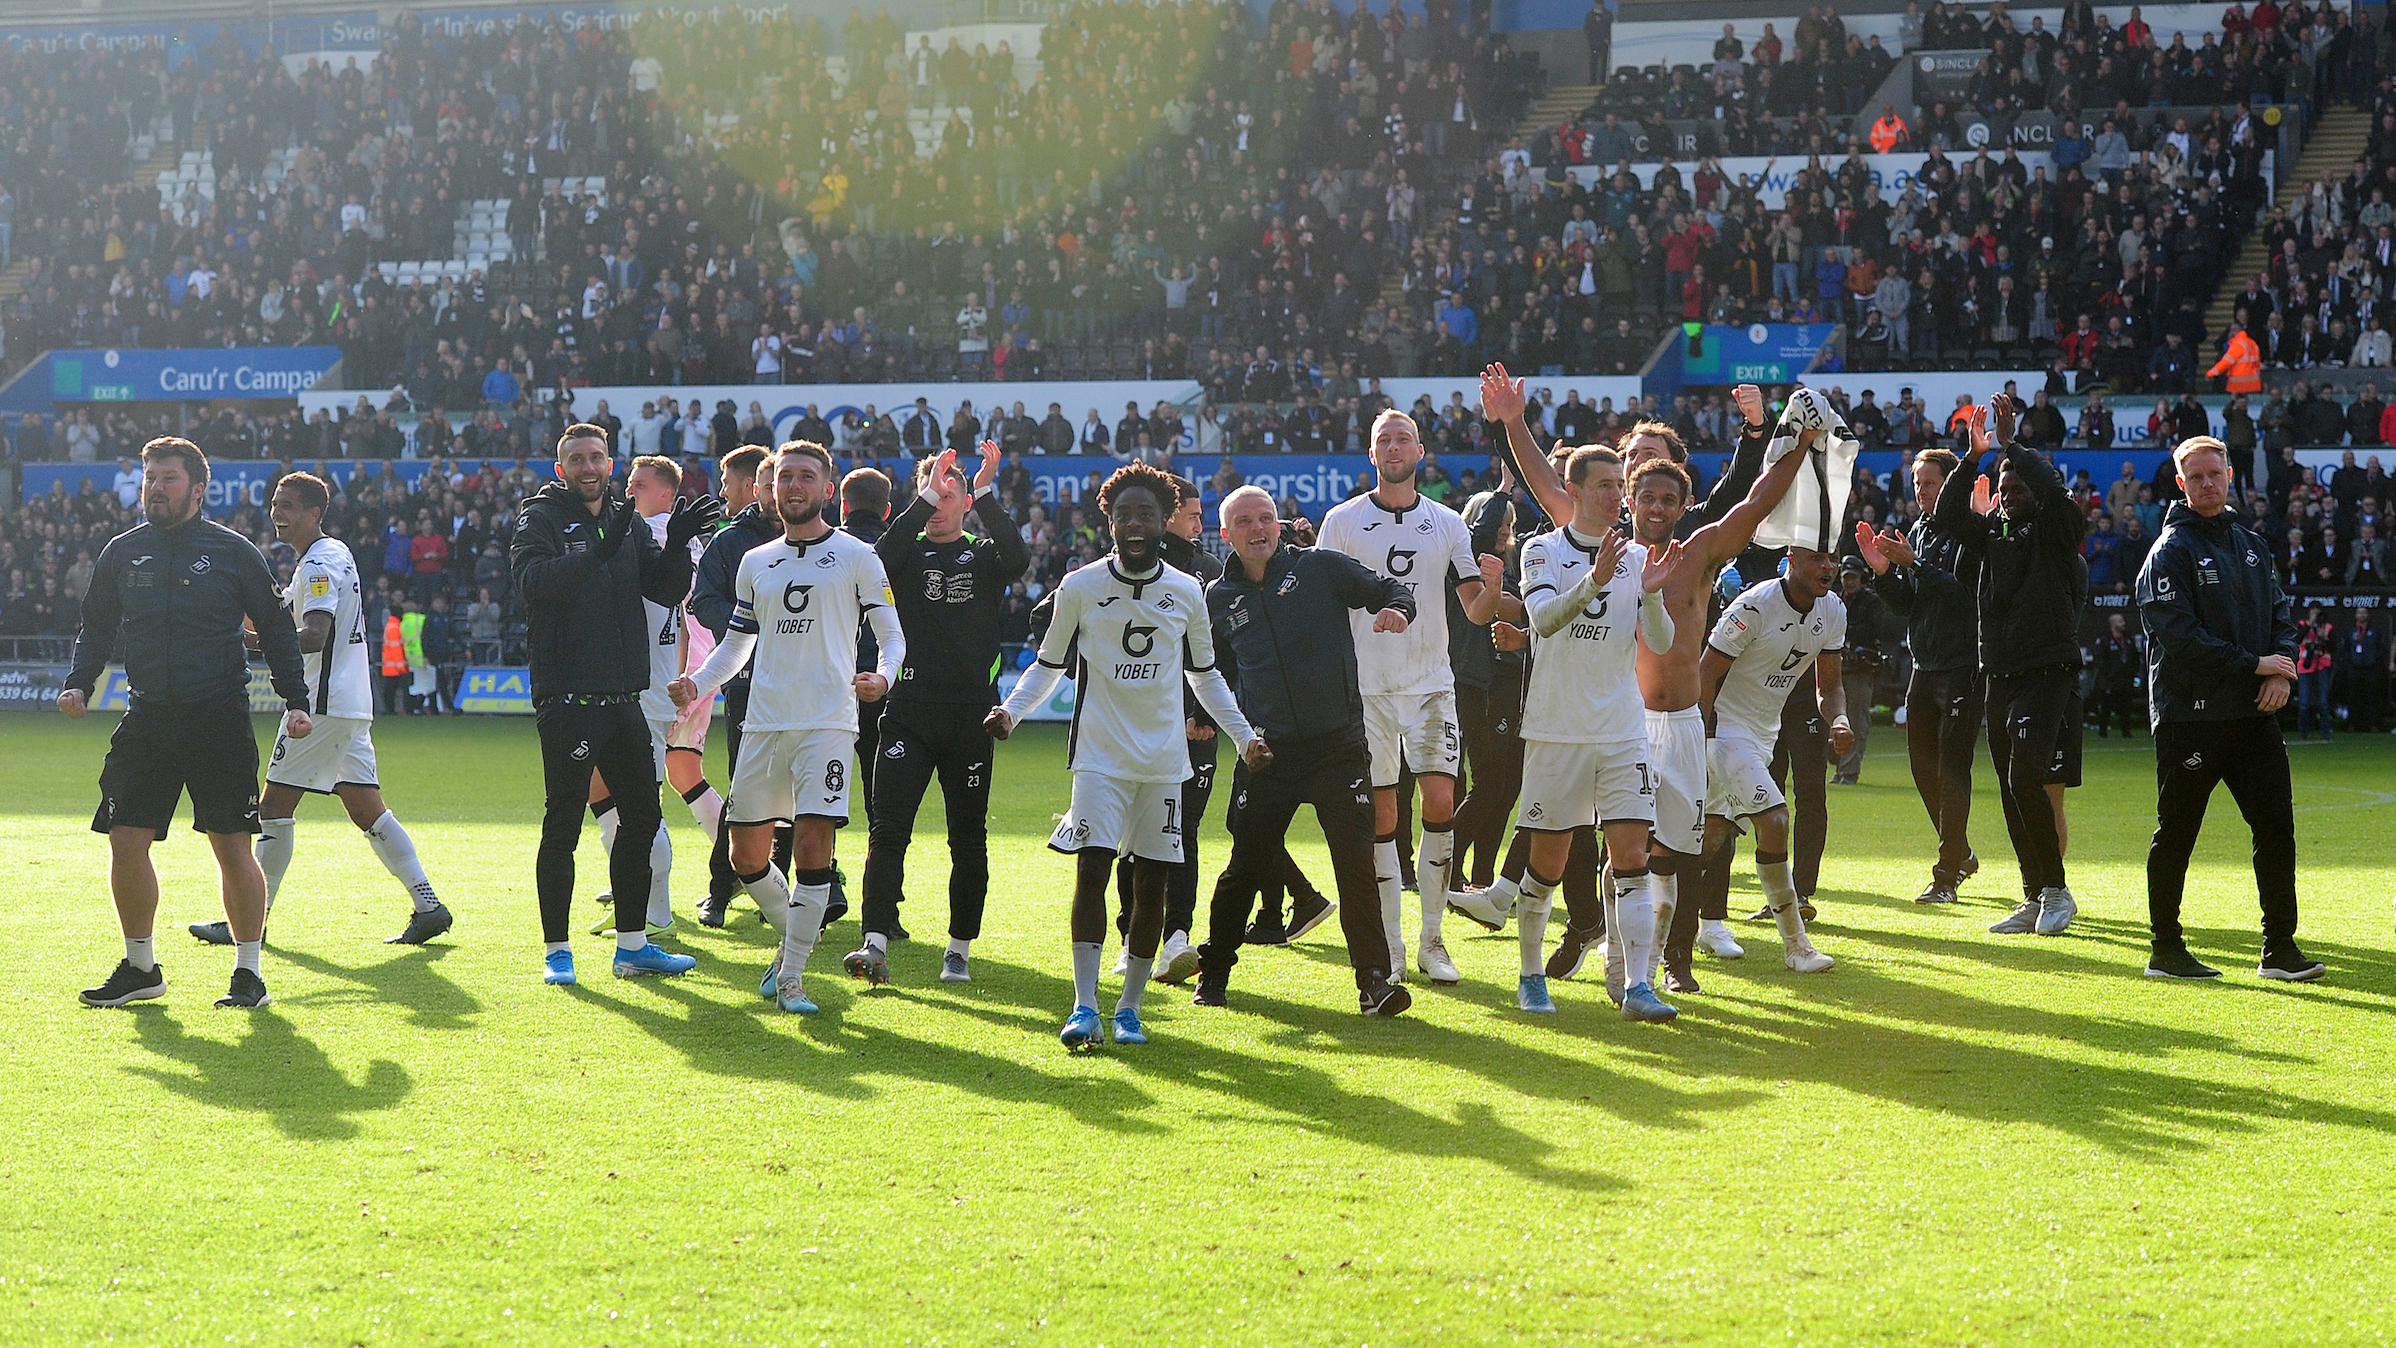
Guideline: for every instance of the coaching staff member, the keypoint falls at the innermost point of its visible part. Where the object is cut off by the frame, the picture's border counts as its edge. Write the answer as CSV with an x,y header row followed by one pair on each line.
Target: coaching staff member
x,y
2221,657
584,559
1283,615
1928,580
170,595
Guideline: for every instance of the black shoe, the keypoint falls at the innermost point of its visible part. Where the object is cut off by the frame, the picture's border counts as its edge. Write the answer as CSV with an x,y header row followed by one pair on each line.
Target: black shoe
x,y
1406,879
1307,912
833,912
214,933
897,932
423,927
127,984
2287,964
2176,962
1940,891
1969,868
248,991
713,909
1763,914
1265,931
1214,987
1566,959
1384,999
1805,906
1678,976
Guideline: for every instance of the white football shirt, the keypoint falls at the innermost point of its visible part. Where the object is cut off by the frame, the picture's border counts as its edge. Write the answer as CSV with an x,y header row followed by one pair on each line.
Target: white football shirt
x,y
804,602
1770,645
1584,685
340,680
1126,644
1423,547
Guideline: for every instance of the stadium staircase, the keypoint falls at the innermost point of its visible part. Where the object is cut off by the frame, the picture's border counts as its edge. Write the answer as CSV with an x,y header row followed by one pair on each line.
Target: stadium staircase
x,y
2335,144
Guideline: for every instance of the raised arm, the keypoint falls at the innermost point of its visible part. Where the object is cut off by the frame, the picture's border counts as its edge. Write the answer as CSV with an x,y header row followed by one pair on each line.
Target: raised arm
x,y
1010,558
1746,462
1726,537
1503,401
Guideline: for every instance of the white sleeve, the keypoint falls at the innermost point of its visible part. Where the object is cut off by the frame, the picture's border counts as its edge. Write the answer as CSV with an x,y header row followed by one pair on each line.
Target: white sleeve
x,y
1036,683
1215,695
1032,688
1655,621
725,661
1551,610
890,641
1736,631
319,589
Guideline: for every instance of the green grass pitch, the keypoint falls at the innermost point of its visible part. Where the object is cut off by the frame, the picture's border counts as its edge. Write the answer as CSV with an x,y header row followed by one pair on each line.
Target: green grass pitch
x,y
1951,1138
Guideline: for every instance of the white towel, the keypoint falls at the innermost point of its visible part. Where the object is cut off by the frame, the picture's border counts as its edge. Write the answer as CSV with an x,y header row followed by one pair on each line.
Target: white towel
x,y
1811,514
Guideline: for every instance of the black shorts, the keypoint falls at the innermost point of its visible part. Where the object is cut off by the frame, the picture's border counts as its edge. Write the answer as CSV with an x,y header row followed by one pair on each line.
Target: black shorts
x,y
2065,769
157,753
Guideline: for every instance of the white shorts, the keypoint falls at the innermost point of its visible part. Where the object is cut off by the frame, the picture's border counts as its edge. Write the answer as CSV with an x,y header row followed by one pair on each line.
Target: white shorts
x,y
1565,786
1676,753
1739,773
339,752
1140,819
1420,727
790,774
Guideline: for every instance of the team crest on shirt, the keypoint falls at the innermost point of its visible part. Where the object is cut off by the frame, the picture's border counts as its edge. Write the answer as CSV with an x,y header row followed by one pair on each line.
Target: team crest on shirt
x,y
827,559
1423,528
199,565
1288,583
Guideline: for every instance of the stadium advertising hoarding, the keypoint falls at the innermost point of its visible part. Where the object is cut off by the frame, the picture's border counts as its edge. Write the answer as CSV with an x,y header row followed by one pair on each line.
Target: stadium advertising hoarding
x,y
1772,174
168,374
506,690
362,32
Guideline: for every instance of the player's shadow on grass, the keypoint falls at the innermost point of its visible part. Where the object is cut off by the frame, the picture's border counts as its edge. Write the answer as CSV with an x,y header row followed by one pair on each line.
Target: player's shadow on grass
x,y
1302,1097
274,1070
410,980
729,1031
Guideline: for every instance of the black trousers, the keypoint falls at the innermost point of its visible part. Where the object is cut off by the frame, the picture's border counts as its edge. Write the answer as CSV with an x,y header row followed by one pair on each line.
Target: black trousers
x,y
1181,878
1800,765
577,739
917,741
2366,699
1493,755
1335,776
2026,714
1942,733
869,748
1578,884
2191,758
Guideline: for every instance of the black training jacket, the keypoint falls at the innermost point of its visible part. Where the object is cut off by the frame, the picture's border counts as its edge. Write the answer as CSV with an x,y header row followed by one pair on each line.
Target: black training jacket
x,y
951,600
1934,596
1289,640
2212,607
719,567
588,632
170,602
2031,580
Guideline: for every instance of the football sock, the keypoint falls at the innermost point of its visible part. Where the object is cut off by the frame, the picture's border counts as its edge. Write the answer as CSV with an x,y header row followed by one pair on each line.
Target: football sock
x,y
631,940
1136,972
875,940
605,812
957,947
1385,871
273,849
555,946
1502,892
1665,890
395,849
1631,927
1610,917
1085,973
1431,874
1530,921
707,806
809,896
1772,868
772,895
661,878
142,952
245,954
